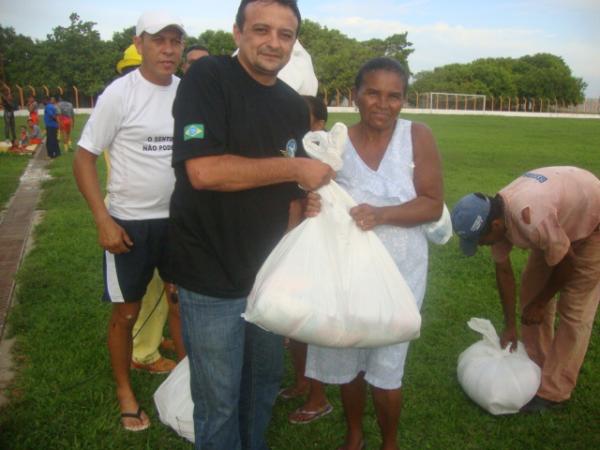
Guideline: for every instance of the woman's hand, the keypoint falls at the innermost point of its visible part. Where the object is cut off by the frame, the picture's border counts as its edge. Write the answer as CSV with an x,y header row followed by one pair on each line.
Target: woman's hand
x,y
366,216
313,204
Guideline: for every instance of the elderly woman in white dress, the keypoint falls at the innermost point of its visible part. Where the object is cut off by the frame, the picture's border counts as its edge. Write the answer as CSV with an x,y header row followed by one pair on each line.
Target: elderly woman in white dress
x,y
392,169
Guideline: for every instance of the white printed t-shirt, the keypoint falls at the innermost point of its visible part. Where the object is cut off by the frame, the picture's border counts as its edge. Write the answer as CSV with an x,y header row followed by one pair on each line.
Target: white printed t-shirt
x,y
133,120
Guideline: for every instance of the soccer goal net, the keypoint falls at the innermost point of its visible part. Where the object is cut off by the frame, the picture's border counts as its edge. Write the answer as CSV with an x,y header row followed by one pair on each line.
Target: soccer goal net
x,y
448,100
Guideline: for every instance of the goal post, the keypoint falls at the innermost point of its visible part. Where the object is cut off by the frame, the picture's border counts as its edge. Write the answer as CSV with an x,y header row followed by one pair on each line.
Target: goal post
x,y
449,100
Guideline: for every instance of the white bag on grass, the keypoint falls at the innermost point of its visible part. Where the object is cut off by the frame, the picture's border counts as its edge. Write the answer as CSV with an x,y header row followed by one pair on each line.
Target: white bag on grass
x,y
498,380
173,400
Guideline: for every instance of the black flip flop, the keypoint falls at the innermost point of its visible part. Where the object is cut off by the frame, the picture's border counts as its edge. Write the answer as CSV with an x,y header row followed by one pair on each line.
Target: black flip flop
x,y
137,415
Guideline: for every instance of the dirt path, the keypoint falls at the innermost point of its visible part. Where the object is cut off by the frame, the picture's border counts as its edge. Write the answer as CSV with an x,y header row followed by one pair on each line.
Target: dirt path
x,y
16,224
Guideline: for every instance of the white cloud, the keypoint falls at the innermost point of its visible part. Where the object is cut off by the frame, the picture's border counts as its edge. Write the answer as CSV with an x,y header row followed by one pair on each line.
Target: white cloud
x,y
368,9
584,5
441,43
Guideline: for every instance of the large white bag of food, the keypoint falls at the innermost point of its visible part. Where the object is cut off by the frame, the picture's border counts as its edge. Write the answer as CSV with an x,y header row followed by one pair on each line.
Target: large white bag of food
x,y
329,283
173,400
498,380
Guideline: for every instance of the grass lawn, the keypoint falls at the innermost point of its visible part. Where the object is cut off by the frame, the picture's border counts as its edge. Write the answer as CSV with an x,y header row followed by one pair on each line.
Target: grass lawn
x,y
63,397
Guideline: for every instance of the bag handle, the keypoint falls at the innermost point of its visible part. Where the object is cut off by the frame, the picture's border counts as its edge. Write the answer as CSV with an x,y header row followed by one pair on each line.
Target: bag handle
x,y
486,329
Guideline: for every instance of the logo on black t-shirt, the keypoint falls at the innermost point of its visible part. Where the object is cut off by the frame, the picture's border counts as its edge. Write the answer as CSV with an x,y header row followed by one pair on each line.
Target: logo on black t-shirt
x,y
290,149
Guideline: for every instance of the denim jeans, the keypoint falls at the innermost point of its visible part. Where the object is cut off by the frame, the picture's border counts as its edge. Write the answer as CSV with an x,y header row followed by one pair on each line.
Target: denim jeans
x,y
235,368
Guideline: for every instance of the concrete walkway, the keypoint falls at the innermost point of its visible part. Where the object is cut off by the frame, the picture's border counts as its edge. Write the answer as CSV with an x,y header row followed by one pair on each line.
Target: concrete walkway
x,y
15,228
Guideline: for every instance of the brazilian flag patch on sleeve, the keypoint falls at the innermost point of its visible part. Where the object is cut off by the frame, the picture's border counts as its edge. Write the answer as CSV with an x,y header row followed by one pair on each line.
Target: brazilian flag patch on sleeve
x,y
193,131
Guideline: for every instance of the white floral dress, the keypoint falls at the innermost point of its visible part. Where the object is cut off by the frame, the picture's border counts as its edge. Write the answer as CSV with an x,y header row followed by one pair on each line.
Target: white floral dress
x,y
391,184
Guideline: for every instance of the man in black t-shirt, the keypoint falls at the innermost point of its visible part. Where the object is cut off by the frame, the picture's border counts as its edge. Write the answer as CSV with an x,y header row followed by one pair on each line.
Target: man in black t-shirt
x,y
237,130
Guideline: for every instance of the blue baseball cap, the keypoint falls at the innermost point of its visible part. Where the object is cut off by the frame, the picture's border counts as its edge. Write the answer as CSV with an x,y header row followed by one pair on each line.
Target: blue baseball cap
x,y
469,217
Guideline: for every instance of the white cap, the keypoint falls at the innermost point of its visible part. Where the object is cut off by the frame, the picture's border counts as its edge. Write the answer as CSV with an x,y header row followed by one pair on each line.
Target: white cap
x,y
152,22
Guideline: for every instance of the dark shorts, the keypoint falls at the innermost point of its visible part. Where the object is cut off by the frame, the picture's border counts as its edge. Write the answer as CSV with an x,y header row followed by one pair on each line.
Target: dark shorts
x,y
127,275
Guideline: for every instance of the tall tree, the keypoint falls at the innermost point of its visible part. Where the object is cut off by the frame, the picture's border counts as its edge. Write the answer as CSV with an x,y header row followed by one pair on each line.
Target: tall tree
x,y
76,56
17,53
532,76
337,57
123,39
218,42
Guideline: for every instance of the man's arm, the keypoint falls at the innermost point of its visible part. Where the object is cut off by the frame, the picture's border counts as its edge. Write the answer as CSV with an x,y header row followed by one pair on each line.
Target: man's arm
x,y
533,313
505,280
111,236
237,173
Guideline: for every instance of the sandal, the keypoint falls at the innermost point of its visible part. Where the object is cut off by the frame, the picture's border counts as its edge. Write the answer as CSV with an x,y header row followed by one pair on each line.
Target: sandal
x,y
294,392
137,415
303,416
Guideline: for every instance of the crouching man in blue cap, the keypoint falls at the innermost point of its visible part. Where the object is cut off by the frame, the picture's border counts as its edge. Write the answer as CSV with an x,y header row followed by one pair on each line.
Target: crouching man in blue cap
x,y
555,213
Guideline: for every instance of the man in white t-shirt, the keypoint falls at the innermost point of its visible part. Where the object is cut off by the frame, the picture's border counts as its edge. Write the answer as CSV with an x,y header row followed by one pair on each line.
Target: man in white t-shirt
x,y
133,120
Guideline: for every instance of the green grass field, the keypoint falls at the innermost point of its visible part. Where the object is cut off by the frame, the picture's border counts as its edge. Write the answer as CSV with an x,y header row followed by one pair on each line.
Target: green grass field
x,y
11,168
63,397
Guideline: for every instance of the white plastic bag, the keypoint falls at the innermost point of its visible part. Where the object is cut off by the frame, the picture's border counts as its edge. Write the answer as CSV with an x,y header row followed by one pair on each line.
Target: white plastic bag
x,y
299,72
440,231
499,381
327,146
173,400
329,283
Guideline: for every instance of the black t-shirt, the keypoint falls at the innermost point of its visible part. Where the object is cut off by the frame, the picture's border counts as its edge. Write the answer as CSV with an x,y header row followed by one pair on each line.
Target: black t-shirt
x,y
219,240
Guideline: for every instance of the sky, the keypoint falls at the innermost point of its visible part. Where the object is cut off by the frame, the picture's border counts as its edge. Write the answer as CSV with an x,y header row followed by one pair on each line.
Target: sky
x,y
441,31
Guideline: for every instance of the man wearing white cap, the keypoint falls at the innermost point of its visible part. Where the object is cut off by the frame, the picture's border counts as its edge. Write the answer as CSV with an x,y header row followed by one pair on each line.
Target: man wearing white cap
x,y
133,120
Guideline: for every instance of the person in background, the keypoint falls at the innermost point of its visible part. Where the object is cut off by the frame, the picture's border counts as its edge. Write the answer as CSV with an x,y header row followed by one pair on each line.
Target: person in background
x,y
191,54
130,61
51,122
316,404
554,212
66,121
10,106
32,107
238,160
33,132
392,169
23,137
133,120
318,112
148,329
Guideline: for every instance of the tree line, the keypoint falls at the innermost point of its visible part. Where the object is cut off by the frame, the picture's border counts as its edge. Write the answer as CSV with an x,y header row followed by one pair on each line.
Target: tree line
x,y
76,55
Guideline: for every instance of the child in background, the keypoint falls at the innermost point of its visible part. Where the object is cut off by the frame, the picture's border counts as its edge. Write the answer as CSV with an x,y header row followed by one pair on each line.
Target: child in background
x,y
33,106
66,121
316,404
34,133
23,138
